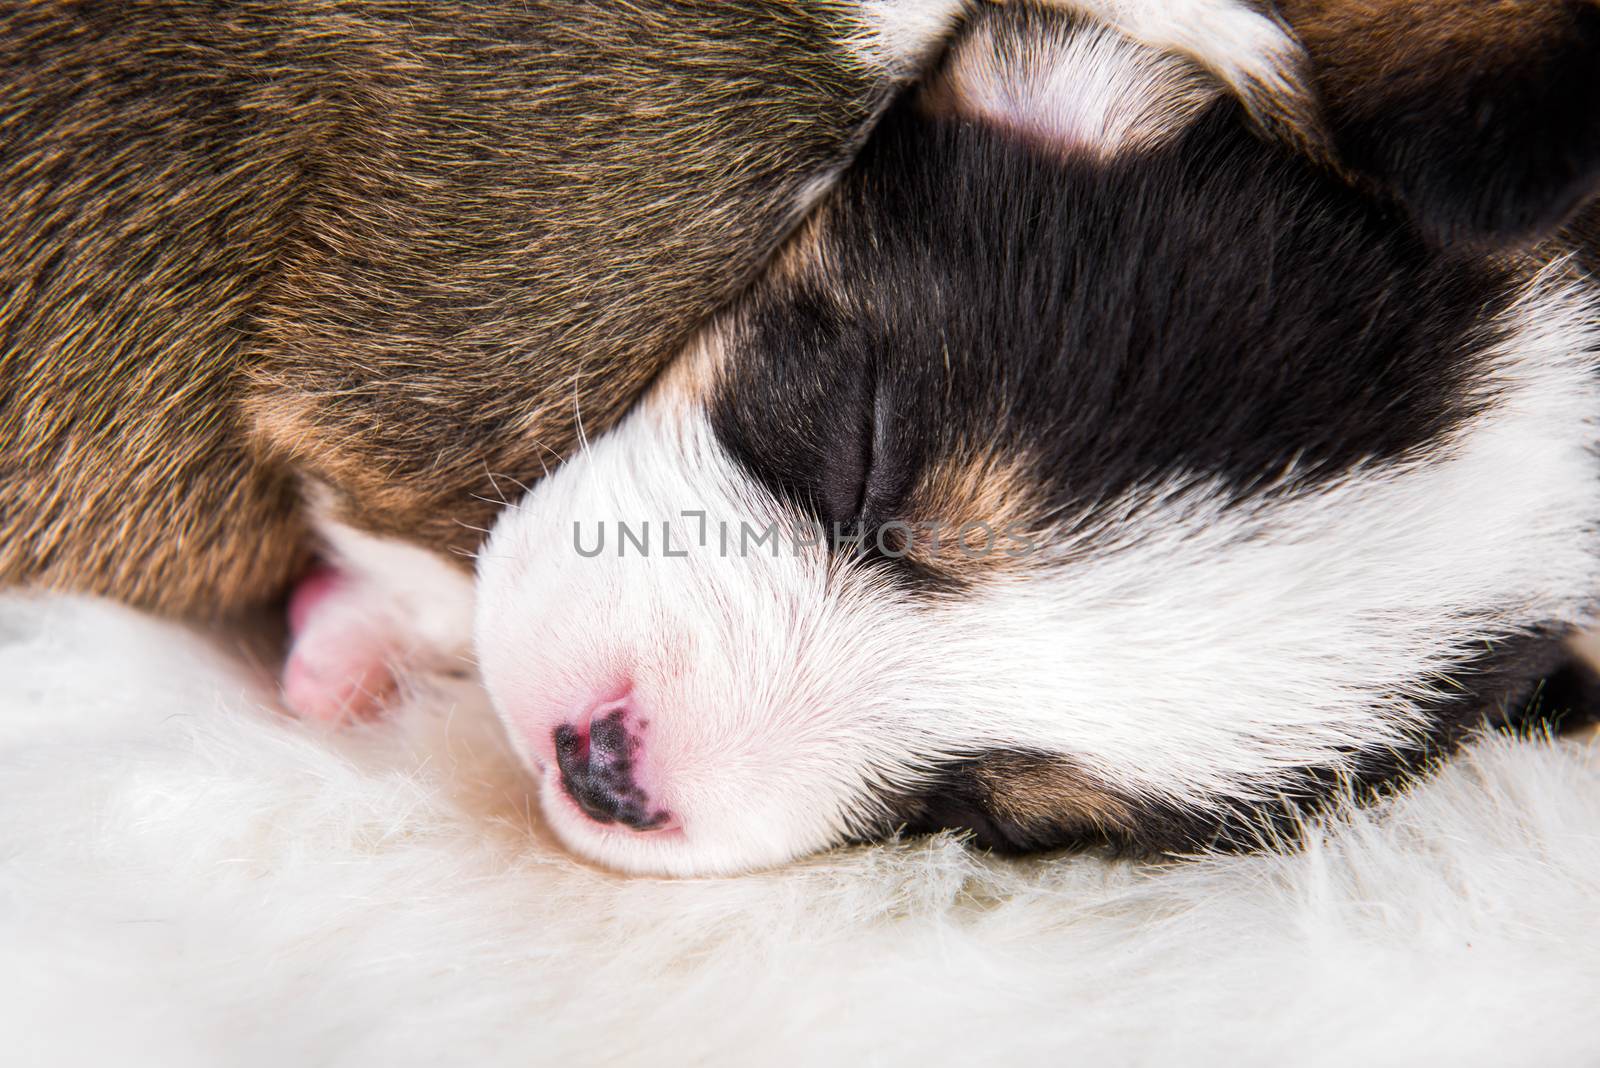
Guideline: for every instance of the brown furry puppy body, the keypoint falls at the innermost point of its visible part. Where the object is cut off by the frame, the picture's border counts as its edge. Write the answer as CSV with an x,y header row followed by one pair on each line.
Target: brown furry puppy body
x,y
396,248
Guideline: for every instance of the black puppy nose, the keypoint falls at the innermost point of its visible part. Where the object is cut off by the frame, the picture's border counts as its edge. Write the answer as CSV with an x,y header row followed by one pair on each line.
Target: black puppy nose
x,y
597,771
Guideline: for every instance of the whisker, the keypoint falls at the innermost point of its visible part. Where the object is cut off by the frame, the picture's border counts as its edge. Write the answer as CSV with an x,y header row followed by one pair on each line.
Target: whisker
x,y
497,490
560,460
577,412
518,484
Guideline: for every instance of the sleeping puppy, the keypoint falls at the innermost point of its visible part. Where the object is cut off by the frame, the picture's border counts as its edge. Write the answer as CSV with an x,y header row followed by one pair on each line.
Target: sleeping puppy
x,y
1163,424
1151,431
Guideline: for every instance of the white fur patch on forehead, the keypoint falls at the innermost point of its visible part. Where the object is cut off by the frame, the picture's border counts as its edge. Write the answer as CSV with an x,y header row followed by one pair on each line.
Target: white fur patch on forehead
x,y
1079,89
1247,50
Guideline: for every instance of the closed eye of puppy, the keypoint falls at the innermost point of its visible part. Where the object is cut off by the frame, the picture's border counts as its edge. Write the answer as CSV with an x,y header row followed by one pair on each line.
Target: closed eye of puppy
x,y
1092,468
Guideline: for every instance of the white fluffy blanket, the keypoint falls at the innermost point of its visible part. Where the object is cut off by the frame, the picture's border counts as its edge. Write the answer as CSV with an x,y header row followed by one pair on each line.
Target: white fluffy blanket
x,y
188,878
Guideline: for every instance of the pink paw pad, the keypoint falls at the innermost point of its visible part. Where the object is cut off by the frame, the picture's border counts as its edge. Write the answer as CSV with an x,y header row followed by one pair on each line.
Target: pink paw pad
x,y
340,651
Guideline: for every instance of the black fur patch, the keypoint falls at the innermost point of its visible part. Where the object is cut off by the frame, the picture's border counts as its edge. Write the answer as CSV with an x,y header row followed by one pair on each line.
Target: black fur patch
x,y
1217,307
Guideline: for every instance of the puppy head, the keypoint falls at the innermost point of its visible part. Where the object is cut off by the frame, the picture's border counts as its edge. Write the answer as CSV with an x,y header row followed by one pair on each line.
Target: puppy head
x,y
1090,469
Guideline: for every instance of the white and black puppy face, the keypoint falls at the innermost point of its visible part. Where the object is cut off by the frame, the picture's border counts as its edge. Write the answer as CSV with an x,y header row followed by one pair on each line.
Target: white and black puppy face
x,y
1091,469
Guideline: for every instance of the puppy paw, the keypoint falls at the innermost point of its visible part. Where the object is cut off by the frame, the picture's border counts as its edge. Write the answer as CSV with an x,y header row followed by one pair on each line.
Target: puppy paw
x,y
342,651
375,612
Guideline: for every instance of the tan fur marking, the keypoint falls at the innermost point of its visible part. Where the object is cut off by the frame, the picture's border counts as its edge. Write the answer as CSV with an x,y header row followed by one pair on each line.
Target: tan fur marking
x,y
683,388
1045,792
963,496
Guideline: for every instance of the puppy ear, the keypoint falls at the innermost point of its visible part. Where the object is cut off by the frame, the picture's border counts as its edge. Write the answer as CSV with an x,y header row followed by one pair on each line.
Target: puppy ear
x,y
1481,117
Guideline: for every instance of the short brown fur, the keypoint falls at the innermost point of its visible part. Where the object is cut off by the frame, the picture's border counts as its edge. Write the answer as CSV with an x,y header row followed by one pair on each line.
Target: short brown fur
x,y
401,249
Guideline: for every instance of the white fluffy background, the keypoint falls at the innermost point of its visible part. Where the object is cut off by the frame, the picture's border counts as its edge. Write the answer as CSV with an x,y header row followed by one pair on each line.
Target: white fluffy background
x,y
187,878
